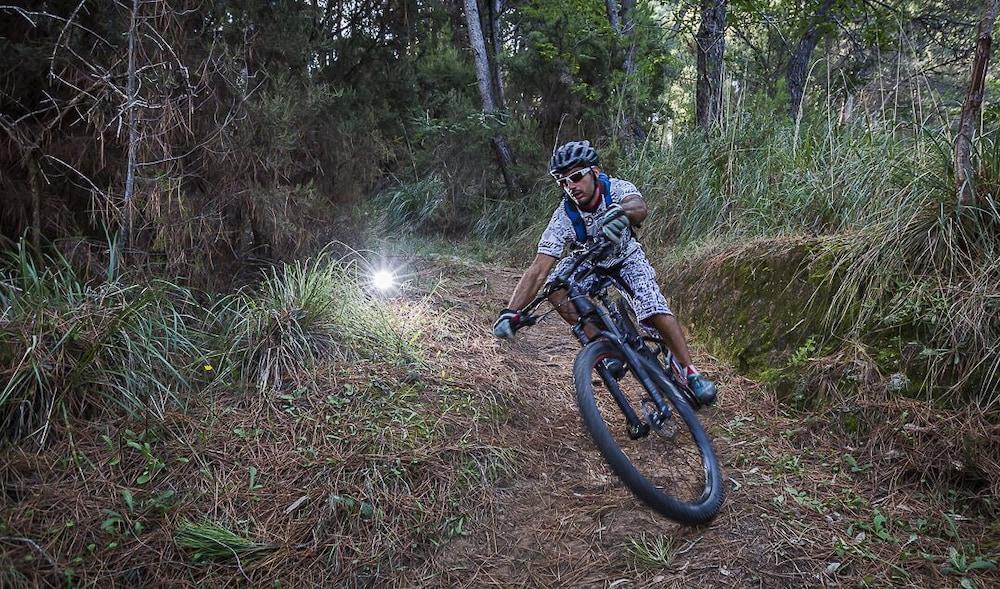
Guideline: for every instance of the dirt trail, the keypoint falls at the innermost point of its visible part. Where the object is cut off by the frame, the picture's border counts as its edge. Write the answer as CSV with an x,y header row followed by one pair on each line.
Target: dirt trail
x,y
563,520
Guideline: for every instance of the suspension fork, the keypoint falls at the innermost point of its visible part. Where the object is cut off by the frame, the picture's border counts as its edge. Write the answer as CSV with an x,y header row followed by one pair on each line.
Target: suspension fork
x,y
586,309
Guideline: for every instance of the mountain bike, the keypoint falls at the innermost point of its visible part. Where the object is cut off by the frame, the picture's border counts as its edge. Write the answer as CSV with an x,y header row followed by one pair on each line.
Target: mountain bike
x,y
634,403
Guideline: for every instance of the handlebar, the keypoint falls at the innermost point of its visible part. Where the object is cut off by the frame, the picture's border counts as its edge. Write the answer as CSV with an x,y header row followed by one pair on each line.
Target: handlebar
x,y
598,249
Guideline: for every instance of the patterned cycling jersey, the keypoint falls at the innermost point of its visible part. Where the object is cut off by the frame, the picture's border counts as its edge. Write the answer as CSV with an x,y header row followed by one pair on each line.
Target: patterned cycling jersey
x,y
560,232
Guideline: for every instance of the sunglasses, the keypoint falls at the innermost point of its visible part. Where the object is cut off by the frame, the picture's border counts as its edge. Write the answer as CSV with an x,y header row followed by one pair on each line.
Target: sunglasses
x,y
574,177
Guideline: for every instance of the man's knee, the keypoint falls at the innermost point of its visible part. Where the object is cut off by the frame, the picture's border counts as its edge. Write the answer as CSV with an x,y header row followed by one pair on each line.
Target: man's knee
x,y
658,318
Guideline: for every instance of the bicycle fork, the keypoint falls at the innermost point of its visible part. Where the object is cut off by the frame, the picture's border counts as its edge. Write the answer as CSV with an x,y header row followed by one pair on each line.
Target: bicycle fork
x,y
636,427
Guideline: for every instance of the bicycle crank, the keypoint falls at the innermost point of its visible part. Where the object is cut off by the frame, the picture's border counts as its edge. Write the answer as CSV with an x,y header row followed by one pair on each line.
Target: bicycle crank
x,y
663,425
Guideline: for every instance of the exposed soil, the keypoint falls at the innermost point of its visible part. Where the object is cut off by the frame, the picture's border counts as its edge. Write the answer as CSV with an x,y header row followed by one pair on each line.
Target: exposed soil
x,y
803,508
795,515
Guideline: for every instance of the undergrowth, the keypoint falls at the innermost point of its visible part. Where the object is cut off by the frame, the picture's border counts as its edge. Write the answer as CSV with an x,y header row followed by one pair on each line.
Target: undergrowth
x,y
313,437
78,345
896,259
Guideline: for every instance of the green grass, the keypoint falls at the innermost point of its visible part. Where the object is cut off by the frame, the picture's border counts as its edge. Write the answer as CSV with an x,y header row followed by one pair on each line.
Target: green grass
x,y
71,344
651,552
208,541
301,312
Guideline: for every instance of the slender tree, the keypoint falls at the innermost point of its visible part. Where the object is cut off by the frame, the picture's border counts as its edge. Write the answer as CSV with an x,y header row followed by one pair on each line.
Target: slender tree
x,y
496,10
133,131
613,16
711,45
628,34
622,21
487,92
798,65
964,173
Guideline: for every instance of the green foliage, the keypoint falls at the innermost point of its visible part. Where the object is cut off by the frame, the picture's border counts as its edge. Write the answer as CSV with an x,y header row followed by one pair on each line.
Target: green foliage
x,y
571,67
415,207
765,177
67,344
209,541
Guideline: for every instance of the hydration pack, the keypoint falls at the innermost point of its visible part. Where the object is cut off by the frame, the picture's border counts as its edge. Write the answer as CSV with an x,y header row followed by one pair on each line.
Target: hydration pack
x,y
574,213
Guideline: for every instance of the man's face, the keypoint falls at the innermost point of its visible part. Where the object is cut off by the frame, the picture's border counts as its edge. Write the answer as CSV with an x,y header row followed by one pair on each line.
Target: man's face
x,y
580,183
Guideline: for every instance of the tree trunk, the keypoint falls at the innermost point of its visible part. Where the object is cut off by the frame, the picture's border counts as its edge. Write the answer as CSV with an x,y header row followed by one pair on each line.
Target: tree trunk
x,y
495,42
36,201
486,91
711,45
628,34
132,89
612,6
964,172
798,65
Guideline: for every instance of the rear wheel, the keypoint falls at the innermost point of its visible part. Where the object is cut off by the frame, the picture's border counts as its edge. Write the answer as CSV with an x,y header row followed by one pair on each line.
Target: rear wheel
x,y
673,469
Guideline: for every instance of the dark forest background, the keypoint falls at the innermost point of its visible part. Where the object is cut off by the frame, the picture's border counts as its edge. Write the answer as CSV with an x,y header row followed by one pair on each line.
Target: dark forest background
x,y
198,385
208,133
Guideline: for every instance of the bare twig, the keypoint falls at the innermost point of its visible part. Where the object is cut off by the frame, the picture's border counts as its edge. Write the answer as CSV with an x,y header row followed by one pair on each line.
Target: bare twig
x,y
93,186
62,33
33,544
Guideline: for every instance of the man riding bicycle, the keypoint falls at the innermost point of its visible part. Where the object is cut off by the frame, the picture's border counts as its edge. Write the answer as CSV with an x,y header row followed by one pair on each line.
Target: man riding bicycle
x,y
594,205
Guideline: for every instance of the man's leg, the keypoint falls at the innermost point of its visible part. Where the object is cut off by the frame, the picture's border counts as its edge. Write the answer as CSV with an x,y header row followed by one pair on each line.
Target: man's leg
x,y
560,301
670,330
651,309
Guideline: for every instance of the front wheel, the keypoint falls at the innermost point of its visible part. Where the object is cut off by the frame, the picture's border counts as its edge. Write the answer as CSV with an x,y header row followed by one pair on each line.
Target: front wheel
x,y
673,469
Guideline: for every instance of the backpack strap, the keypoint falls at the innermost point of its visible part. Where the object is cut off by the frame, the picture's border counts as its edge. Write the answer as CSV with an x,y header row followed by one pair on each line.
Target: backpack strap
x,y
576,219
579,227
605,188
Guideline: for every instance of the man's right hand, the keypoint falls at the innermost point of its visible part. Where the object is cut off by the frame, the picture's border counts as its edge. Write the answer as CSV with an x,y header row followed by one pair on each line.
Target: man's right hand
x,y
506,324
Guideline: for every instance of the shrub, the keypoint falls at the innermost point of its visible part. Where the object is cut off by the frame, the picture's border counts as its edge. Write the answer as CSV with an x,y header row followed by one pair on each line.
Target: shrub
x,y
299,313
68,344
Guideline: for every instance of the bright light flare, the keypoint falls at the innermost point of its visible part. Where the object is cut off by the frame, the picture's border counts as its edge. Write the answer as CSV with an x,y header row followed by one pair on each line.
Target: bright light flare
x,y
383,280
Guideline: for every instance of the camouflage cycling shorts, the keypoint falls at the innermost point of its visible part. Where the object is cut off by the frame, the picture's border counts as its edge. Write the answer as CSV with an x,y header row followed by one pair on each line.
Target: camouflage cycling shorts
x,y
636,272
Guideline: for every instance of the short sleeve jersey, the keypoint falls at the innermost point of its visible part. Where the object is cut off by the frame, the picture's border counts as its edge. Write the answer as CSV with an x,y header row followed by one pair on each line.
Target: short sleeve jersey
x,y
559,233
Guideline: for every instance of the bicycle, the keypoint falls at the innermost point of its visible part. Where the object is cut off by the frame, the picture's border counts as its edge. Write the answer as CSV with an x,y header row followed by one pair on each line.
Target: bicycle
x,y
678,476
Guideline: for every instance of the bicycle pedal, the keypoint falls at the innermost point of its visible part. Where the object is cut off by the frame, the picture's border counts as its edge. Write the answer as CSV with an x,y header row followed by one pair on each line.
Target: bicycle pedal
x,y
639,432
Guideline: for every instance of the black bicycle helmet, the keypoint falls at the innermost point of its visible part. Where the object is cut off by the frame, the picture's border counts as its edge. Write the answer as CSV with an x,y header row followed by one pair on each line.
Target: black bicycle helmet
x,y
574,153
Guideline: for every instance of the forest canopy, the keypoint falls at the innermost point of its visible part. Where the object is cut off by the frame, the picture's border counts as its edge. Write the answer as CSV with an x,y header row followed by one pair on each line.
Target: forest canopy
x,y
196,125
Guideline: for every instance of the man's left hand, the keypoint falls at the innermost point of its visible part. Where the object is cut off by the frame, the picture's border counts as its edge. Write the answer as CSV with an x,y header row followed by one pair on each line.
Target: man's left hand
x,y
615,223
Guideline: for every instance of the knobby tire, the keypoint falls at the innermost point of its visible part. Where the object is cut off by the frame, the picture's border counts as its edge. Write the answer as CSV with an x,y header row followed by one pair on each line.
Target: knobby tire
x,y
691,512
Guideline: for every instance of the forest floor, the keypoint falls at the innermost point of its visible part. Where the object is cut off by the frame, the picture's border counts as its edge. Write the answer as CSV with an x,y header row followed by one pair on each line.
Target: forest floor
x,y
472,470
800,511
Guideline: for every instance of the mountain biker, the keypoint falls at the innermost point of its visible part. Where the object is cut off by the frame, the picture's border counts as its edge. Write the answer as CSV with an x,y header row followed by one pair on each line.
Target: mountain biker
x,y
596,204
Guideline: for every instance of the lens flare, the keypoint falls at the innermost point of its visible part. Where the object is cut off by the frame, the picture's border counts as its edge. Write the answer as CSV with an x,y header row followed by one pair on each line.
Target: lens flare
x,y
383,280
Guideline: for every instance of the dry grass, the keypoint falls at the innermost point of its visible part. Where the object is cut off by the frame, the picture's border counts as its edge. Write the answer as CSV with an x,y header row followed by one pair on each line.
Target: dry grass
x,y
345,479
470,471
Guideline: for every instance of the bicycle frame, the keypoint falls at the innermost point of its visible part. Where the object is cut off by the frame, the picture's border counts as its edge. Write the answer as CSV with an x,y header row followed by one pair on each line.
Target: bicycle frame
x,y
600,315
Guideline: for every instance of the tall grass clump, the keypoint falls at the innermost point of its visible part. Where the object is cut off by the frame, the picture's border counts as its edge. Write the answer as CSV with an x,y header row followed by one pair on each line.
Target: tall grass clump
x,y
929,280
70,345
412,207
300,313
211,542
763,177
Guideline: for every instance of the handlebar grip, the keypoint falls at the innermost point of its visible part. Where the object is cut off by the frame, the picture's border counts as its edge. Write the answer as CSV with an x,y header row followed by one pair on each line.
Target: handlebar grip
x,y
526,321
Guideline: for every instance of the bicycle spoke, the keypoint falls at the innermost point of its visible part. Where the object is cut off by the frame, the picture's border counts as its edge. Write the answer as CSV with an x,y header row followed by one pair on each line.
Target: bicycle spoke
x,y
672,463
